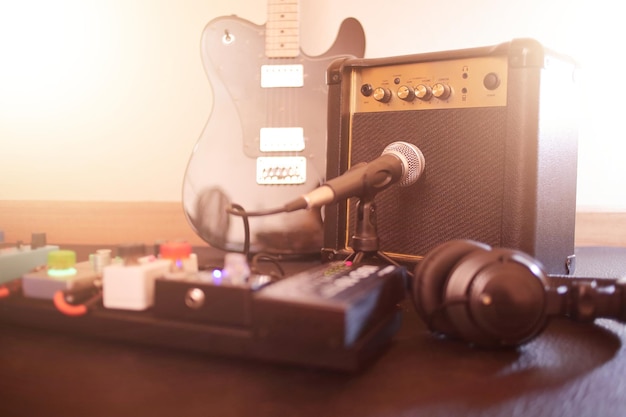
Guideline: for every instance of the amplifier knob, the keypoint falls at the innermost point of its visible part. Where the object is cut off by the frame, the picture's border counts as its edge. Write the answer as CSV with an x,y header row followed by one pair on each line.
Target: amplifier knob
x,y
406,93
382,94
423,92
441,91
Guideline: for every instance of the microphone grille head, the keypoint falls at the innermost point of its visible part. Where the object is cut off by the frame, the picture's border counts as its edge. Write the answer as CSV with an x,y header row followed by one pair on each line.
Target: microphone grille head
x,y
412,159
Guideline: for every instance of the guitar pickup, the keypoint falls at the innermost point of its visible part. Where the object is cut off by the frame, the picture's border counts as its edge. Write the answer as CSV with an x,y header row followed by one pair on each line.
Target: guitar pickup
x,y
281,170
275,76
281,139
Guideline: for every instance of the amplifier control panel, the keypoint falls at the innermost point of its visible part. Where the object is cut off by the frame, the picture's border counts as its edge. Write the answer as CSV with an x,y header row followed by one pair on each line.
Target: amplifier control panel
x,y
458,83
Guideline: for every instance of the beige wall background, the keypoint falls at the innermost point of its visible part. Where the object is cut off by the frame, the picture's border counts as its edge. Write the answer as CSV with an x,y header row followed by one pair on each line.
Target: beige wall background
x,y
102,101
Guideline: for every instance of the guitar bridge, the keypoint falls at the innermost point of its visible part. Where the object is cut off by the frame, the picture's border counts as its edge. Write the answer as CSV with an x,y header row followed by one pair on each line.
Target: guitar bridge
x,y
280,170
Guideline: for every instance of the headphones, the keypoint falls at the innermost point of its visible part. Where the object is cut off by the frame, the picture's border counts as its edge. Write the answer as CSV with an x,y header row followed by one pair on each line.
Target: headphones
x,y
495,297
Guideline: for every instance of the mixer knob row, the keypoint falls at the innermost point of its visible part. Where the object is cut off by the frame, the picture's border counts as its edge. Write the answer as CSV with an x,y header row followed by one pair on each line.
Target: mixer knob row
x,y
421,92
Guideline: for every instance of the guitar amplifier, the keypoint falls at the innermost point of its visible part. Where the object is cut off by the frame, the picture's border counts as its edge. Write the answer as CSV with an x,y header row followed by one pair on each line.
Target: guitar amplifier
x,y
498,129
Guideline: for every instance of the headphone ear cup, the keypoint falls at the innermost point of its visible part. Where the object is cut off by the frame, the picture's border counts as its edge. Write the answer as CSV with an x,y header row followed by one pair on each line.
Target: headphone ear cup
x,y
504,293
430,278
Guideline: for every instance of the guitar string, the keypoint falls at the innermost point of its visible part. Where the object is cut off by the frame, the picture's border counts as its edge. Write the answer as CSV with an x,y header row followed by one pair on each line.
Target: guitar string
x,y
282,104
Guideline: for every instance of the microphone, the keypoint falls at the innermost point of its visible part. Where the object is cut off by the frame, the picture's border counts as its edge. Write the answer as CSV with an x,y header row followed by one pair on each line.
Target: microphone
x,y
400,162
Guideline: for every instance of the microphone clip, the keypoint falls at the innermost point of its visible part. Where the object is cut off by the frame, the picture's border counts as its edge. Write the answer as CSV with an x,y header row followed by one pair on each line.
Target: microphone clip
x,y
365,241
366,238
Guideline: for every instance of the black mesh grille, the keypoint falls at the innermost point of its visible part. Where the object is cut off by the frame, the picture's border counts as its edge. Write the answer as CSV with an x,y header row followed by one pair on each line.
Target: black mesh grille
x,y
460,193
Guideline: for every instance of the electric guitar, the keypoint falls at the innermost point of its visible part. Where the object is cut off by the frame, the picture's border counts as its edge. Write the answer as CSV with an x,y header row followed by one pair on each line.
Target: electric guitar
x,y
265,141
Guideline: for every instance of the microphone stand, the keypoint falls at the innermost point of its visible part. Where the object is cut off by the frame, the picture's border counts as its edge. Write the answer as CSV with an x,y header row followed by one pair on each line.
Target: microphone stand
x,y
365,241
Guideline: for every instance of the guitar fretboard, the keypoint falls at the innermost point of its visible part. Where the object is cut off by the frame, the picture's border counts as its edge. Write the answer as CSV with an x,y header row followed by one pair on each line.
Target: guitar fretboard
x,y
282,37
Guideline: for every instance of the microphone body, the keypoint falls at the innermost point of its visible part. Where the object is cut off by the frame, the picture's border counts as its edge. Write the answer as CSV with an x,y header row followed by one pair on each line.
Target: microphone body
x,y
400,162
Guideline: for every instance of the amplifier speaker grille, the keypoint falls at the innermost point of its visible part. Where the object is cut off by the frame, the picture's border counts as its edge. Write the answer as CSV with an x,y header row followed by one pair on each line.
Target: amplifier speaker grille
x,y
461,191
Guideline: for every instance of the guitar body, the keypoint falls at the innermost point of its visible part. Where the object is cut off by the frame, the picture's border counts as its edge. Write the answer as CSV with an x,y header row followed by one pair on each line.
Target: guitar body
x,y
225,168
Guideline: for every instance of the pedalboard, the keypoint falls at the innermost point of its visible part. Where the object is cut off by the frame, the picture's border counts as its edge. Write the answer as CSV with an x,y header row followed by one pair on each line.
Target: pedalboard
x,y
334,315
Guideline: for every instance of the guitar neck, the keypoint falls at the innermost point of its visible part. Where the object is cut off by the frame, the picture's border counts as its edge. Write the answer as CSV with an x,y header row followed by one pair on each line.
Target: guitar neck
x,y
282,36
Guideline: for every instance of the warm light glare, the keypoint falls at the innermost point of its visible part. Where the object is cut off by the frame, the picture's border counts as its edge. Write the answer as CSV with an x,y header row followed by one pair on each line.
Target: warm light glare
x,y
50,56
86,81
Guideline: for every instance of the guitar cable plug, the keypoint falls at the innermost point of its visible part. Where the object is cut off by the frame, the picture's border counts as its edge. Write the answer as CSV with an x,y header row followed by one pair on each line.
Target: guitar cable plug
x,y
77,302
10,288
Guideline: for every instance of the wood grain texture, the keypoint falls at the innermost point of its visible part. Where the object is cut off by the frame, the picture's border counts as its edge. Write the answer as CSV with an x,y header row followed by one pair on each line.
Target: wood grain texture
x,y
601,229
89,222
109,223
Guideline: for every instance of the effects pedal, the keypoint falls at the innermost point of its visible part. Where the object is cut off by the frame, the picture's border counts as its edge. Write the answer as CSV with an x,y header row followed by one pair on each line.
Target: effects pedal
x,y
128,283
328,306
18,259
62,273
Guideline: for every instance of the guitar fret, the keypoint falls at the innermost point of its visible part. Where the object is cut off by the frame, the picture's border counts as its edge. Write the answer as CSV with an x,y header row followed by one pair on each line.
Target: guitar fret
x,y
282,29
288,36
291,24
283,8
283,18
277,31
283,45
274,3
284,22
293,40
